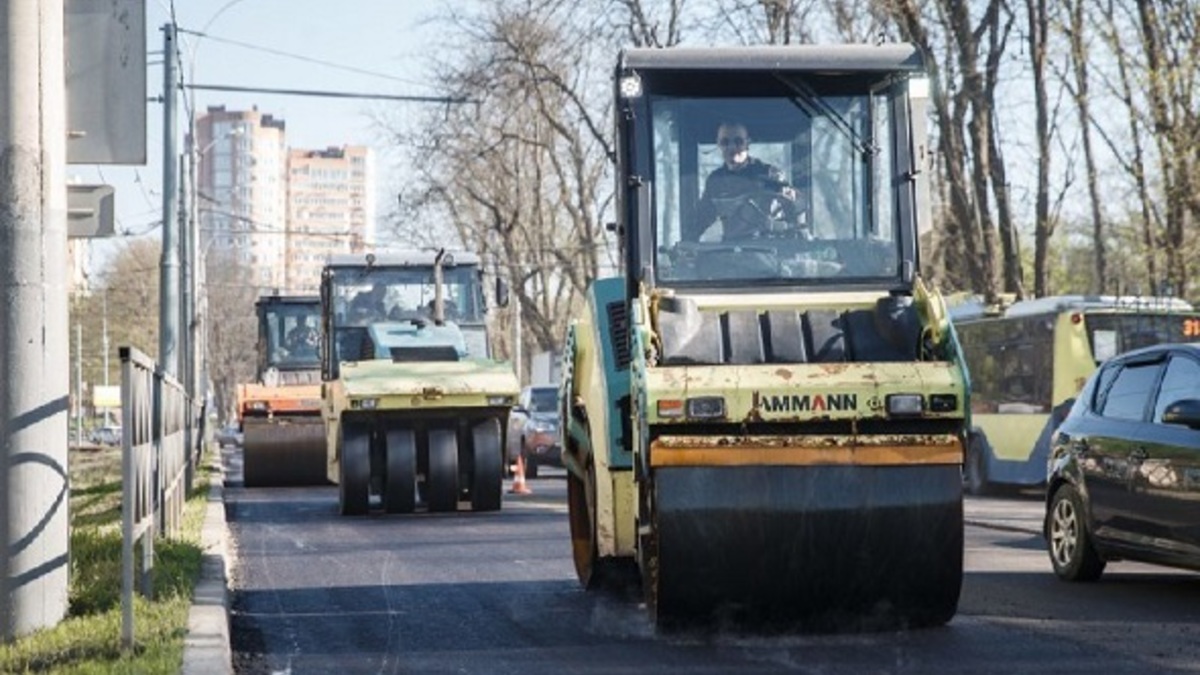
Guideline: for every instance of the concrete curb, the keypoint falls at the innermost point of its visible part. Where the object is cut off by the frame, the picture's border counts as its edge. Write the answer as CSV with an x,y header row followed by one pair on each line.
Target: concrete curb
x,y
206,647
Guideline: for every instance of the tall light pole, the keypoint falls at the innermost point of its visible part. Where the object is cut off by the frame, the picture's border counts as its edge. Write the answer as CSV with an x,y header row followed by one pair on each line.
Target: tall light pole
x,y
195,271
168,319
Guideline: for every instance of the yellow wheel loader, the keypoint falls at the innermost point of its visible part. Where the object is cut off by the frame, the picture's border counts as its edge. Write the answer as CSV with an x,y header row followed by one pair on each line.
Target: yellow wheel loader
x,y
415,408
764,414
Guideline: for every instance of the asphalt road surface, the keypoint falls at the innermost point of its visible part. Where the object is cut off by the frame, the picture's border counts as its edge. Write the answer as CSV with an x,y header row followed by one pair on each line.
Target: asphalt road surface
x,y
495,593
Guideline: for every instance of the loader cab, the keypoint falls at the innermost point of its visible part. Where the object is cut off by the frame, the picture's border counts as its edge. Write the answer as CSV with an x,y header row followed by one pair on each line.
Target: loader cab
x,y
288,333
367,296
842,125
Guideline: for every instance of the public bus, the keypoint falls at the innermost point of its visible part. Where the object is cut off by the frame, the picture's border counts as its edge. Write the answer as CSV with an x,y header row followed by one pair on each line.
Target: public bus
x,y
1027,361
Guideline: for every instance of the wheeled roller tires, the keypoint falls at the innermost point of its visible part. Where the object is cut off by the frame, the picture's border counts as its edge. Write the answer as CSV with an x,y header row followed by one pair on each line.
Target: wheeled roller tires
x,y
354,476
400,468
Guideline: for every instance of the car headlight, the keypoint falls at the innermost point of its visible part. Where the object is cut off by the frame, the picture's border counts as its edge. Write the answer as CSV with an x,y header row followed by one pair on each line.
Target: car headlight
x,y
543,427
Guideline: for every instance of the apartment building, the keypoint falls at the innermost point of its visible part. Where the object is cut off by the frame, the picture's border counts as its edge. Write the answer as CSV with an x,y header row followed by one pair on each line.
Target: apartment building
x,y
330,210
281,212
241,199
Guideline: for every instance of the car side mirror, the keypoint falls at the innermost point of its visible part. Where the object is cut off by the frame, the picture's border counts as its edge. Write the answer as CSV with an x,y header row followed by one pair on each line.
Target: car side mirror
x,y
1185,412
501,292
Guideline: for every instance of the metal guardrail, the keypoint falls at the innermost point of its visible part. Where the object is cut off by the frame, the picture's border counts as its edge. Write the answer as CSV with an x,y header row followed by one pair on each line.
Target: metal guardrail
x,y
156,469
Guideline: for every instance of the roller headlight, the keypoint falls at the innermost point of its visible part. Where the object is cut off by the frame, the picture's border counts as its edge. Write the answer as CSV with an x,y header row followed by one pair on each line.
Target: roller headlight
x,y
706,407
259,406
365,403
631,86
699,408
905,404
939,403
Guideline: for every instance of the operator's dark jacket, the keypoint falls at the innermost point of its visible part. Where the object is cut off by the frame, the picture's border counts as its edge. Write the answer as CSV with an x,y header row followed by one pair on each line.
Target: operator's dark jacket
x,y
725,183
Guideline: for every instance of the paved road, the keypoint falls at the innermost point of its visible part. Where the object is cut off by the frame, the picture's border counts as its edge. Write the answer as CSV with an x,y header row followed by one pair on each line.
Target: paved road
x,y
495,593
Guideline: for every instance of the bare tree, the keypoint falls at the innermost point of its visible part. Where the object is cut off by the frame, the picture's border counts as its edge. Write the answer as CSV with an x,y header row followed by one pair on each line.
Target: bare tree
x,y
792,21
116,309
1153,49
952,45
1076,30
1037,35
1170,45
131,284
647,23
521,174
231,329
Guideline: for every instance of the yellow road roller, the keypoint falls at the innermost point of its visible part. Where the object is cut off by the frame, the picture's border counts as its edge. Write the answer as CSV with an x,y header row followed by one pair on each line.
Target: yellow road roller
x,y
764,415
415,407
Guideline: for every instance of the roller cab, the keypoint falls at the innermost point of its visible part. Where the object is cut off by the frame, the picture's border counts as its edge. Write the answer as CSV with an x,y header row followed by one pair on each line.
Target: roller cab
x,y
764,415
414,408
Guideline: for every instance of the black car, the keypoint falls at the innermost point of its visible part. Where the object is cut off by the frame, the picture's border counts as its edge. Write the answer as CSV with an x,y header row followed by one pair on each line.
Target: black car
x,y
1124,470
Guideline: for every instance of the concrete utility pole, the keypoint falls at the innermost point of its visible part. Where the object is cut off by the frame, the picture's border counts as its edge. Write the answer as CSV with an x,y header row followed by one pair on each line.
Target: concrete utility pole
x,y
168,318
34,330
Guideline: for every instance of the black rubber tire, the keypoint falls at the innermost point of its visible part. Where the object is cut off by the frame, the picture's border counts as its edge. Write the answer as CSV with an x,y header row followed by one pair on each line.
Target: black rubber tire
x,y
400,476
487,479
975,476
441,481
1068,540
354,472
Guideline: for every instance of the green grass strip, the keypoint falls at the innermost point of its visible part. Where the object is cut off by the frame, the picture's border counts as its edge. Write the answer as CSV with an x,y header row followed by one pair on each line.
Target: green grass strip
x,y
89,639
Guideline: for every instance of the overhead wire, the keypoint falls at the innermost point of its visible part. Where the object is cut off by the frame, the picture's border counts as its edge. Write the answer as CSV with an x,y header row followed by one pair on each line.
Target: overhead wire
x,y
301,57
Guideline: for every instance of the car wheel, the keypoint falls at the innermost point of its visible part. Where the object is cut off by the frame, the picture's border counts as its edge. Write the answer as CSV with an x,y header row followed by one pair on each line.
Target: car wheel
x,y
1070,544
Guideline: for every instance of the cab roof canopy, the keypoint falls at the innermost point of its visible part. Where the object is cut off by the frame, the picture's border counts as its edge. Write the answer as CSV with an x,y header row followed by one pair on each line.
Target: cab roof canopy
x,y
828,59
400,259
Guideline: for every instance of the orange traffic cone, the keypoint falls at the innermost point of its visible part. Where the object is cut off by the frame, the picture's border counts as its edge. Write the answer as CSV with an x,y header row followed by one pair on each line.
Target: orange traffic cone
x,y
518,486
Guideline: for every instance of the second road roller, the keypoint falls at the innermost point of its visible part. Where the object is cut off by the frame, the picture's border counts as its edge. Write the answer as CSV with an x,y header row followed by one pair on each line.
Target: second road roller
x,y
280,412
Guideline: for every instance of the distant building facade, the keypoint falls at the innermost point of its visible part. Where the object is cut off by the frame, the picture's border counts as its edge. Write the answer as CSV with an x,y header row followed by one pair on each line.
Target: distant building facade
x,y
331,209
280,212
242,190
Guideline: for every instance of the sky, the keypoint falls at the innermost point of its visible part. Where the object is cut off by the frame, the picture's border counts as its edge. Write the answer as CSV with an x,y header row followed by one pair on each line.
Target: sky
x,y
361,46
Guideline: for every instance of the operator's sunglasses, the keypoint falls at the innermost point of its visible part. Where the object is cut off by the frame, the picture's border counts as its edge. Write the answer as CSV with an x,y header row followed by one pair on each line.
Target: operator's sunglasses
x,y
732,142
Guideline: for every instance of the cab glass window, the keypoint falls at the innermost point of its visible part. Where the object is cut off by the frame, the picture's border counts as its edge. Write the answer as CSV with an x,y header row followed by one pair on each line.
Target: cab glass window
x,y
812,195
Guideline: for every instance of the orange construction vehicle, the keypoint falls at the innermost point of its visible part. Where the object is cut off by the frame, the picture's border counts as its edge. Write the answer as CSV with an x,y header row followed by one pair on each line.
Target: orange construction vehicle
x,y
280,413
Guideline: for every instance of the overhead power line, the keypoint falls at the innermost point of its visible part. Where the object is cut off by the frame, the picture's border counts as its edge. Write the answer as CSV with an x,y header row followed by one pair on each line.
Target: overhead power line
x,y
298,57
328,94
